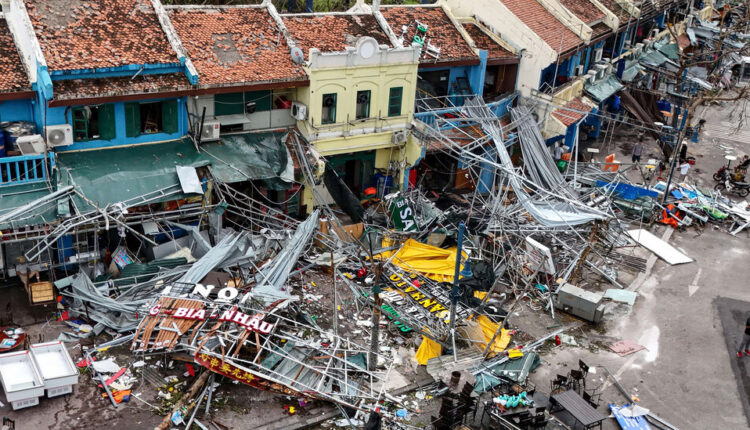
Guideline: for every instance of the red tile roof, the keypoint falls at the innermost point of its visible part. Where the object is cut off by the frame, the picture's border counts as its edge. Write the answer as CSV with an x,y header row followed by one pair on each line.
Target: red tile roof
x,y
235,45
599,30
572,112
584,10
484,41
332,33
544,24
79,34
616,9
112,87
441,31
12,74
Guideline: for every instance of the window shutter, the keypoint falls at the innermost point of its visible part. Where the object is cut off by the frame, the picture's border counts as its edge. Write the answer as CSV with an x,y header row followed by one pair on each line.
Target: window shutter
x,y
169,118
132,119
107,129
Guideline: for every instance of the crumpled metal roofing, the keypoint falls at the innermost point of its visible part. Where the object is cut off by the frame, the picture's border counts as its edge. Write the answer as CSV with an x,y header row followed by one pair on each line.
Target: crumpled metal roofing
x,y
603,89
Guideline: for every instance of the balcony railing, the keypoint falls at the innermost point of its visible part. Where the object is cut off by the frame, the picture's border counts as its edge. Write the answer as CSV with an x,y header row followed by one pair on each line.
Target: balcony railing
x,y
24,169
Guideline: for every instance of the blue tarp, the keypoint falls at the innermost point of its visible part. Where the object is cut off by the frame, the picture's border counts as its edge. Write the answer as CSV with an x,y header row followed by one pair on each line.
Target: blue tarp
x,y
628,423
627,192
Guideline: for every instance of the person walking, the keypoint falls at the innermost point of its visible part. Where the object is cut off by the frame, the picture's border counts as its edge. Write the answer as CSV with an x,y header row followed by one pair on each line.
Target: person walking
x,y
637,151
745,344
684,169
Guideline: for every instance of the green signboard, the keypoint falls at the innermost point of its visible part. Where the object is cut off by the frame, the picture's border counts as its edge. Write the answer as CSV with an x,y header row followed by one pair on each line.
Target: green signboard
x,y
402,215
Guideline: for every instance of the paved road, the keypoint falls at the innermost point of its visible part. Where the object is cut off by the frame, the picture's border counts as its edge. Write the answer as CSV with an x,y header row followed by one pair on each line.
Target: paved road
x,y
689,317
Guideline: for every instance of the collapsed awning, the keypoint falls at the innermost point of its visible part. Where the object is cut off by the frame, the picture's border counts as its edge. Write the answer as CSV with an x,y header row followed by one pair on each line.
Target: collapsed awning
x,y
671,51
110,176
24,205
603,89
632,70
251,156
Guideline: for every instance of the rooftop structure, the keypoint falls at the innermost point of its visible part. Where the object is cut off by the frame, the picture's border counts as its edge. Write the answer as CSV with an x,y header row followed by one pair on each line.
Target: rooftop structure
x,y
235,45
79,35
443,39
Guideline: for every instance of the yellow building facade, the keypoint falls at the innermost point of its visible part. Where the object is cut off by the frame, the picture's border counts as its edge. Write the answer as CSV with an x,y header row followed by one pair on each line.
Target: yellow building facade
x,y
359,111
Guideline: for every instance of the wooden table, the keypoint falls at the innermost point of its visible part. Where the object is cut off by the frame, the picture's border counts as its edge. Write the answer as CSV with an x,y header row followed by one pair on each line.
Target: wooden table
x,y
579,409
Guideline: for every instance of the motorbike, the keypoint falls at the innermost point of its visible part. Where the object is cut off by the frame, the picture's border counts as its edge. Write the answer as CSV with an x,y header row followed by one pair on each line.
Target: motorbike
x,y
721,174
742,189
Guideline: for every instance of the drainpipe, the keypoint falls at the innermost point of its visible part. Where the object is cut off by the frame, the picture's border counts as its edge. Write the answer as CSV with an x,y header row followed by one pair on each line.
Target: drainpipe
x,y
375,5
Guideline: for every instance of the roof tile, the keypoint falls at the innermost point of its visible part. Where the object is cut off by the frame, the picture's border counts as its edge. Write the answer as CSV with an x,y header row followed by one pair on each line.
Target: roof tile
x,y
111,87
235,45
332,33
12,74
584,10
441,31
572,112
544,24
81,34
484,41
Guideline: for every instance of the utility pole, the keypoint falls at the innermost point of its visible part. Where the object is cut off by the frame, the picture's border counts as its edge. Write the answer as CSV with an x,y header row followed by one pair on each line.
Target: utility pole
x,y
679,135
454,292
375,337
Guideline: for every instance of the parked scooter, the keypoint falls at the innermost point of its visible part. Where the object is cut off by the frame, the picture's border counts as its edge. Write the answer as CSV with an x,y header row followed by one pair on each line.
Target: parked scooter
x,y
742,189
723,172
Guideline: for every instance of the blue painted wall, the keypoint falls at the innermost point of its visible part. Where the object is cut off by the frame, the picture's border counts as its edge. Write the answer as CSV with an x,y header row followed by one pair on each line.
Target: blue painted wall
x,y
63,115
475,75
17,110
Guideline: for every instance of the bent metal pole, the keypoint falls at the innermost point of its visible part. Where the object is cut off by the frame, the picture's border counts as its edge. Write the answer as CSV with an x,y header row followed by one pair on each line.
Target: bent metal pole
x,y
454,292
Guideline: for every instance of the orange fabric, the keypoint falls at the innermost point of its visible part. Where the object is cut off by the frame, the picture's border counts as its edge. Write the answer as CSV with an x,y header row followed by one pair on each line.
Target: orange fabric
x,y
668,219
610,163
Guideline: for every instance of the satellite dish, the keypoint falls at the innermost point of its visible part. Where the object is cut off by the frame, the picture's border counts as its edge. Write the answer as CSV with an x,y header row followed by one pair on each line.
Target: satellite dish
x,y
367,47
297,55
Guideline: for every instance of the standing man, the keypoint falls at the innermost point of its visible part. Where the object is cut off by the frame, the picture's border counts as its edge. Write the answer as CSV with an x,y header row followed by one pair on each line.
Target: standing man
x,y
637,151
684,169
745,344
558,152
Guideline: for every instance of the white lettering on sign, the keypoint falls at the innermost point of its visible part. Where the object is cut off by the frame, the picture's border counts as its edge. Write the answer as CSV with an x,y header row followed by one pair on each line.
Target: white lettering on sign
x,y
226,294
248,321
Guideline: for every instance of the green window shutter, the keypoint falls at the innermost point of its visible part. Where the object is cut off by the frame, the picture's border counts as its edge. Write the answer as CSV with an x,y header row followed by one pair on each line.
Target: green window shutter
x,y
262,100
107,122
394,101
132,119
229,104
169,117
80,125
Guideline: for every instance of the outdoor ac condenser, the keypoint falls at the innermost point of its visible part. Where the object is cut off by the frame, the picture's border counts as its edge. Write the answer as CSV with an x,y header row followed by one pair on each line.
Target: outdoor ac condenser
x,y
211,131
59,135
31,145
299,111
581,303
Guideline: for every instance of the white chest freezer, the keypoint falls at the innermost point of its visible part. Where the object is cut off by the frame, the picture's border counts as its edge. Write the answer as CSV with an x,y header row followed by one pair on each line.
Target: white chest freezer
x,y
55,366
20,379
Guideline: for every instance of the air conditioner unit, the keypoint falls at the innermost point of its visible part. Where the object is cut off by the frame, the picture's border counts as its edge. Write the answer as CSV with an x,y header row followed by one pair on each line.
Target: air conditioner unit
x,y
298,111
598,54
59,135
579,70
654,33
31,145
400,137
211,131
591,76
